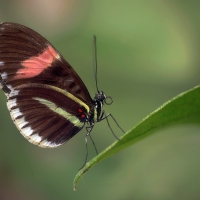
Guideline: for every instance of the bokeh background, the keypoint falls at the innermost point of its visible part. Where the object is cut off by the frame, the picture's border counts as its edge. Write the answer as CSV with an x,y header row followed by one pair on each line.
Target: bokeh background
x,y
148,52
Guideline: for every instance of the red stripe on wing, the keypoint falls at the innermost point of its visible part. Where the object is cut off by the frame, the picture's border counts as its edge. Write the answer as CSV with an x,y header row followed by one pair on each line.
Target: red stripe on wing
x,y
37,64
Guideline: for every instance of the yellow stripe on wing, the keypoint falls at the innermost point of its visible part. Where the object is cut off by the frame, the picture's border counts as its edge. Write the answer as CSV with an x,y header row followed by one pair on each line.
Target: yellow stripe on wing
x,y
71,96
64,92
52,106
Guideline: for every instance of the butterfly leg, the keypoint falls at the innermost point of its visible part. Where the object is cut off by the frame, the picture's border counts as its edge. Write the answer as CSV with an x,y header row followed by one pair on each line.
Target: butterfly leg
x,y
89,129
93,144
110,127
115,122
104,116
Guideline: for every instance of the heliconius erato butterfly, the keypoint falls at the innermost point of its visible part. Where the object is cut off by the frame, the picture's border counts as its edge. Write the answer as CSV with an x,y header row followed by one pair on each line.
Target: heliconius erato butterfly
x,y
47,100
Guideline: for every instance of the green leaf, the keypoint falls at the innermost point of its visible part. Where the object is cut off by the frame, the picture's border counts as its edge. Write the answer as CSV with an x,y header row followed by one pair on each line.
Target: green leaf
x,y
182,109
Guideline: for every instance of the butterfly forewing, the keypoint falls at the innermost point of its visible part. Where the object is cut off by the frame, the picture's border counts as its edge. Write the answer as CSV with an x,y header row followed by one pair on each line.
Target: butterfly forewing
x,y
27,57
46,98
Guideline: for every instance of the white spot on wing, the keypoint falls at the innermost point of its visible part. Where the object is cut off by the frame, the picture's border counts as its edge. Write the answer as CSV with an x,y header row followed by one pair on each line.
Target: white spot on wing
x,y
58,57
45,143
21,122
1,63
35,139
15,113
4,75
55,145
11,103
13,92
48,144
27,131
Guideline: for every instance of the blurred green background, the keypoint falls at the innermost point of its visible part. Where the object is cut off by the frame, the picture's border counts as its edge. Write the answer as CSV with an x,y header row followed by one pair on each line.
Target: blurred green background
x,y
148,52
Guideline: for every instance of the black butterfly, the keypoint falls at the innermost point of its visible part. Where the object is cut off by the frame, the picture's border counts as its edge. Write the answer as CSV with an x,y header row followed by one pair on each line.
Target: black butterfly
x,y
47,100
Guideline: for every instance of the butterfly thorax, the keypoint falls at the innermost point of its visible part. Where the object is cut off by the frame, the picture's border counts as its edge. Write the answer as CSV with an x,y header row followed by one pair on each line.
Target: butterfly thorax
x,y
96,113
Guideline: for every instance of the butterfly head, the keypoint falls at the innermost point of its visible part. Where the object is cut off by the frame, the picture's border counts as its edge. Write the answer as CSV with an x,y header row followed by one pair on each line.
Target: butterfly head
x,y
101,97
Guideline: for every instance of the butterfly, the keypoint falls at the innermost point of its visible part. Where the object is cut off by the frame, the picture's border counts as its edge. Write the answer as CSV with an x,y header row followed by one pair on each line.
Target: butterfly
x,y
47,100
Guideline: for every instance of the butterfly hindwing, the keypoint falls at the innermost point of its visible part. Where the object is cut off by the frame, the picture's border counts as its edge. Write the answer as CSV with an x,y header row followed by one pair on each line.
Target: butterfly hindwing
x,y
42,116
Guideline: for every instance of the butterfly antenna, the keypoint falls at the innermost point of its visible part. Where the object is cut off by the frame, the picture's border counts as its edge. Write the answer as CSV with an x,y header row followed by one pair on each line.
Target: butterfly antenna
x,y
95,60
